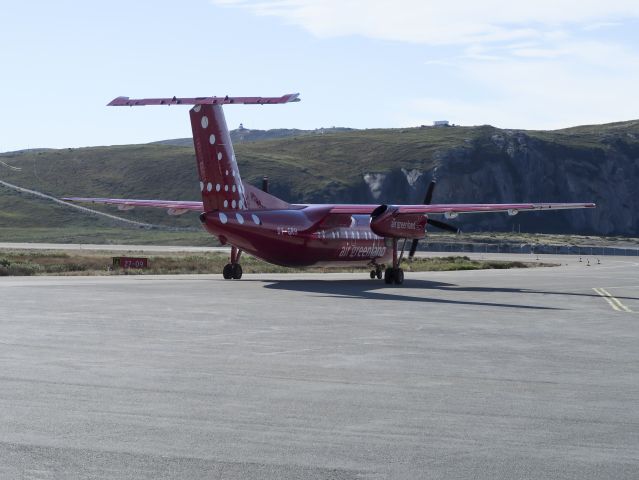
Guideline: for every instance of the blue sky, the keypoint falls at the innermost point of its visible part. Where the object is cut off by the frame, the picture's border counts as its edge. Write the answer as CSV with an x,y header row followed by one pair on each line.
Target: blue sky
x,y
356,63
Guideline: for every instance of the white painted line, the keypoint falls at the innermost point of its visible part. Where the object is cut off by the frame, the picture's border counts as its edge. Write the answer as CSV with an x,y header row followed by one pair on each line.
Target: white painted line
x,y
616,301
612,301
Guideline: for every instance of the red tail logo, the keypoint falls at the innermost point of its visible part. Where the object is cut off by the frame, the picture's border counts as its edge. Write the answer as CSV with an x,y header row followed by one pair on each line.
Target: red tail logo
x,y
220,181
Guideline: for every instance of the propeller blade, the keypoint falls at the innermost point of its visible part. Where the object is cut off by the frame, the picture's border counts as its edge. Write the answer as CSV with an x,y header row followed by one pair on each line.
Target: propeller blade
x,y
413,247
427,199
429,192
443,226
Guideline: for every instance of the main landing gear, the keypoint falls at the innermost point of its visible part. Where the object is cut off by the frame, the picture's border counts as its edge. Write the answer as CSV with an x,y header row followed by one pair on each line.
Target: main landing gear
x,y
233,270
395,274
392,274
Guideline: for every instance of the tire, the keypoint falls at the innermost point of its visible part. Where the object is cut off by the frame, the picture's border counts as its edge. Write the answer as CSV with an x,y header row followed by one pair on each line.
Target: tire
x,y
236,271
372,274
379,274
398,277
388,276
227,272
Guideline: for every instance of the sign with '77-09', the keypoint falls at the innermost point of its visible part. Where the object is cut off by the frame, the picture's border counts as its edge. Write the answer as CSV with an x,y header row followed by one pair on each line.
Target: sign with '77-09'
x,y
130,262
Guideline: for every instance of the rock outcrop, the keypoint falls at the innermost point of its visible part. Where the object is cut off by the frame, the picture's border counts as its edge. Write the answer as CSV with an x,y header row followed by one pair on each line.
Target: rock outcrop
x,y
512,166
597,163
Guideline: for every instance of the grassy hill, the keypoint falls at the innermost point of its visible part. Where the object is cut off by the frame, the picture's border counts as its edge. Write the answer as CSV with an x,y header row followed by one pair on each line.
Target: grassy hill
x,y
473,164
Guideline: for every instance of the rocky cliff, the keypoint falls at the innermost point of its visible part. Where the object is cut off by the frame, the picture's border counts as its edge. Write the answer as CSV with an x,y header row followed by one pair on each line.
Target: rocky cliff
x,y
504,166
471,164
599,164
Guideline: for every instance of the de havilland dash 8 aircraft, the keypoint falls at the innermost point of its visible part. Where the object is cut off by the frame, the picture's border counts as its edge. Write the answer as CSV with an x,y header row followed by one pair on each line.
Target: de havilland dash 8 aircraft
x,y
296,235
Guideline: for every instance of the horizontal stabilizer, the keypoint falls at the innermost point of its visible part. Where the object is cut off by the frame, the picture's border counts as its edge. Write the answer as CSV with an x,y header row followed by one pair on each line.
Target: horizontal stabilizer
x,y
133,102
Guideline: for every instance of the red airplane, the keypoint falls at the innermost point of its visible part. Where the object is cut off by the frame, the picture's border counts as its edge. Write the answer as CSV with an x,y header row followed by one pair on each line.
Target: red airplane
x,y
294,235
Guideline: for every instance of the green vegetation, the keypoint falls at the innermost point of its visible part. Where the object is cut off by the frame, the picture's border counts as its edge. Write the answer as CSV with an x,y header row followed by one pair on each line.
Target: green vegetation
x,y
430,264
107,236
493,238
25,262
310,167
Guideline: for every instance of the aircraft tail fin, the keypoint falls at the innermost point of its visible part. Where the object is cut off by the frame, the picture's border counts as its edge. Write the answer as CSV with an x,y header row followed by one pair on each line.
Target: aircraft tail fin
x,y
220,182
257,199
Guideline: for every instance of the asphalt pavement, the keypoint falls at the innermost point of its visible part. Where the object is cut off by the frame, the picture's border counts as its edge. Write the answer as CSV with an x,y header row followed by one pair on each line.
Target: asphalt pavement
x,y
498,374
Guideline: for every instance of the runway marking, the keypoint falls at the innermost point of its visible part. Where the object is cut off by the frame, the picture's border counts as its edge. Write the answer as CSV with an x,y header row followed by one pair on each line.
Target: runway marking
x,y
614,302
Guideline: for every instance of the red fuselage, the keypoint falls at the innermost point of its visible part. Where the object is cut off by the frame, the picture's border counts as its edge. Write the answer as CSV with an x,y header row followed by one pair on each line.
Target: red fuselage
x,y
301,236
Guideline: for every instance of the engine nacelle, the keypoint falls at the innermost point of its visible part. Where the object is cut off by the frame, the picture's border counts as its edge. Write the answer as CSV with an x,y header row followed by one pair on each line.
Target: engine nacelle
x,y
386,221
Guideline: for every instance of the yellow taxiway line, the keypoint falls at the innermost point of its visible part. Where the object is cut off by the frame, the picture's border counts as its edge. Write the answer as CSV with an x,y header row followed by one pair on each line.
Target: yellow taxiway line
x,y
612,301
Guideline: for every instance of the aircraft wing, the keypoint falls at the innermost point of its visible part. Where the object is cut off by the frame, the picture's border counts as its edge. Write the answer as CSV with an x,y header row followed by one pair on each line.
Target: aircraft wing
x,y
448,209
173,206
451,210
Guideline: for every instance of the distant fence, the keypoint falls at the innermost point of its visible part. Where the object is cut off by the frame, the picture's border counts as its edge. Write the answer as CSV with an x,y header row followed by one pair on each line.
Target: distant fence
x,y
528,248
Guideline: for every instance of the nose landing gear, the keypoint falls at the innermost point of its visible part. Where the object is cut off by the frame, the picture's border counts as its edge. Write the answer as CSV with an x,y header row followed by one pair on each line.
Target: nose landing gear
x,y
377,272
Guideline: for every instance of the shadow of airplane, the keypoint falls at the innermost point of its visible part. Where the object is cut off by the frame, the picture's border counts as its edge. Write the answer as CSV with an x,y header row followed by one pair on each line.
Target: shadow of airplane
x,y
526,290
376,290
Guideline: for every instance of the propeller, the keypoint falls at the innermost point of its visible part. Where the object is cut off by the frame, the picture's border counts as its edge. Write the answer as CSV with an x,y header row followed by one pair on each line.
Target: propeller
x,y
435,223
443,226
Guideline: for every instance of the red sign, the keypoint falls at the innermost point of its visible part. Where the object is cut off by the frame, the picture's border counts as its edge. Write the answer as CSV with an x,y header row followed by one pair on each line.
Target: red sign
x,y
130,262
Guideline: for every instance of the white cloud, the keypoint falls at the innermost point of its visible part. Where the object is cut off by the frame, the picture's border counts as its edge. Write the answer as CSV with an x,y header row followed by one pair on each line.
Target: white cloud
x,y
440,22
539,90
542,64
601,25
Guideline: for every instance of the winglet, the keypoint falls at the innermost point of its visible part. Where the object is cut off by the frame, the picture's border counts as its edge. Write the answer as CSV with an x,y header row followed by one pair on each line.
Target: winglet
x,y
134,102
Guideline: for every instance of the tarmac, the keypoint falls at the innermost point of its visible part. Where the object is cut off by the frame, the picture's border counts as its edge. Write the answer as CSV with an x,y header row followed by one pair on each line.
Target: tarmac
x,y
496,374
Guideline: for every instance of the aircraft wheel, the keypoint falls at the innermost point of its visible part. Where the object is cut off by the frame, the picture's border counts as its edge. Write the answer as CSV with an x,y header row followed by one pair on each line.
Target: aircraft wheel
x,y
379,274
236,271
388,276
373,274
227,272
398,277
